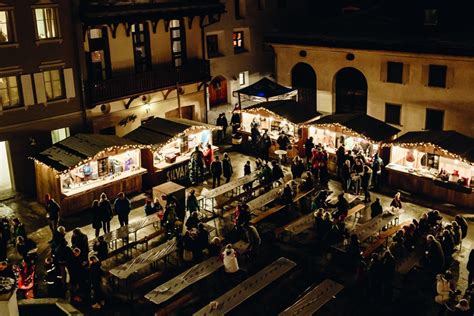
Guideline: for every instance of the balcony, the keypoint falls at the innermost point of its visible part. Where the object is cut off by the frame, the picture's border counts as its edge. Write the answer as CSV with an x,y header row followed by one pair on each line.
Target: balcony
x,y
126,84
97,12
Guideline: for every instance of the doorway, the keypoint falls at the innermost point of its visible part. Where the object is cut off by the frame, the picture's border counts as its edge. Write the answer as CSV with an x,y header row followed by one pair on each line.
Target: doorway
x,y
351,91
218,91
6,178
303,78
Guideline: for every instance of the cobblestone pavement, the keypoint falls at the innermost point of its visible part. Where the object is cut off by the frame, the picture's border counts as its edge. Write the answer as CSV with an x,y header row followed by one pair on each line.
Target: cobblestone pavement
x,y
32,214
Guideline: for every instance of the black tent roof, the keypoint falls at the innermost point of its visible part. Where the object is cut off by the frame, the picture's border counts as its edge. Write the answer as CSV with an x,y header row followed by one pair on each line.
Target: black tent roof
x,y
451,141
160,130
265,88
71,151
363,124
292,110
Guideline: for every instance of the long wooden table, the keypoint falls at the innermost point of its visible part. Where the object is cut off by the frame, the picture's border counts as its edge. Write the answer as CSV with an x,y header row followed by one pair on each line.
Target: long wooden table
x,y
197,272
264,199
228,187
373,226
314,299
124,271
123,232
248,288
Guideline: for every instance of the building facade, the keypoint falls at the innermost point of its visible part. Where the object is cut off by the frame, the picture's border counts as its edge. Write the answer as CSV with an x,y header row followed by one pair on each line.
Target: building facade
x,y
235,46
410,70
137,56
40,99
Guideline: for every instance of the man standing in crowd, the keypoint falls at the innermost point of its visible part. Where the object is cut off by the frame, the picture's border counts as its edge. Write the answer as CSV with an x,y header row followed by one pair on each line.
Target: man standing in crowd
x,y
52,209
216,170
122,208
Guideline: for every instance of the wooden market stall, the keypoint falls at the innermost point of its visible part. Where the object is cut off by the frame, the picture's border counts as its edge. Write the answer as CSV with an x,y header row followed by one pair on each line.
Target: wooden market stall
x,y
275,117
359,133
168,144
78,169
438,164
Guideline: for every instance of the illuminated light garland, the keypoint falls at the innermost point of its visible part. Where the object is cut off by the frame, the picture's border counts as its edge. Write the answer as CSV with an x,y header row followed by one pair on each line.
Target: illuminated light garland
x,y
436,147
345,130
256,111
190,130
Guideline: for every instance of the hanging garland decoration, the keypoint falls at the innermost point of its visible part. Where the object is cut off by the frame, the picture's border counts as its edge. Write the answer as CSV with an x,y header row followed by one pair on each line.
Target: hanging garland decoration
x,y
345,130
255,111
443,151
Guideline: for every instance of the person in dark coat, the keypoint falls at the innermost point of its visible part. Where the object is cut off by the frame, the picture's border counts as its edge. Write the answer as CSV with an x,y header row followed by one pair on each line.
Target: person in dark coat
x,y
365,181
297,168
95,277
96,217
470,267
265,144
3,247
192,203
23,246
193,221
149,208
247,171
52,280
377,164
101,248
308,147
354,251
81,241
225,124
227,167
52,212
106,213
463,224
122,208
346,175
78,275
376,276
216,171
198,158
376,208
202,240
435,255
388,272
18,229
220,133
253,238
6,230
342,207
340,159
235,121
277,172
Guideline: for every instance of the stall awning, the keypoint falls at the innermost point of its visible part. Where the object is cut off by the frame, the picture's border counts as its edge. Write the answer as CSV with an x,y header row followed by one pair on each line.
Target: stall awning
x,y
291,110
452,142
265,88
73,150
161,130
362,124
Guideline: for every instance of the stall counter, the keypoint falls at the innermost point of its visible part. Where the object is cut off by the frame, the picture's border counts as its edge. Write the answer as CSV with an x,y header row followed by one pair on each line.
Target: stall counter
x,y
428,185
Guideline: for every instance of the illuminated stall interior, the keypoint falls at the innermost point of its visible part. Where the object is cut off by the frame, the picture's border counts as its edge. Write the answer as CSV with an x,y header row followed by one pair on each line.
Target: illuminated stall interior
x,y
78,169
436,163
169,143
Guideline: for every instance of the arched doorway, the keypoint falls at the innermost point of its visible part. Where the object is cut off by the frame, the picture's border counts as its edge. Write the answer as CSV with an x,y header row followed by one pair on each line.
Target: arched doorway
x,y
218,91
303,78
351,91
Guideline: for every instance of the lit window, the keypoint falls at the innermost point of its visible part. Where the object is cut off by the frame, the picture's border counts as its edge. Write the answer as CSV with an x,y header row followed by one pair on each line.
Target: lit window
x,y
9,96
242,78
238,41
6,27
60,134
96,33
54,84
46,23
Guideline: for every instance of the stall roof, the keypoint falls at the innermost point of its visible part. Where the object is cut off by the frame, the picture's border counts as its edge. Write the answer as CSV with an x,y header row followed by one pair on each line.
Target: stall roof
x,y
451,141
363,124
265,88
160,130
291,110
73,150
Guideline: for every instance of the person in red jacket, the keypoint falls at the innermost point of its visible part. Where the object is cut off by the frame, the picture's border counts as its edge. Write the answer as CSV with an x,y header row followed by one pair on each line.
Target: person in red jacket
x,y
208,157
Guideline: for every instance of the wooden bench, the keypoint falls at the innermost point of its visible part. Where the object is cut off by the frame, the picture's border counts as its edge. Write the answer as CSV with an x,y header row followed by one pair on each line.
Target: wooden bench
x,y
314,300
267,213
143,282
134,244
247,288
